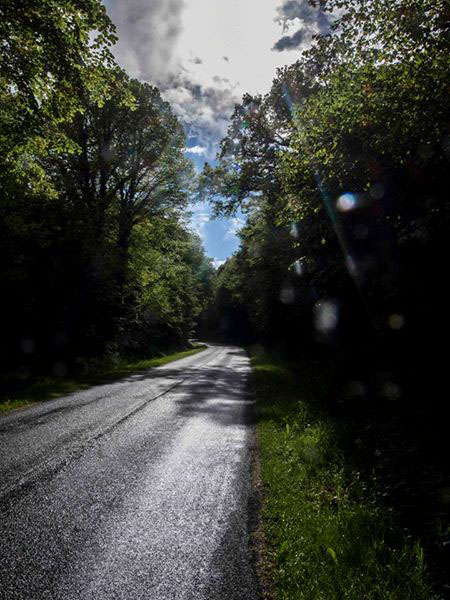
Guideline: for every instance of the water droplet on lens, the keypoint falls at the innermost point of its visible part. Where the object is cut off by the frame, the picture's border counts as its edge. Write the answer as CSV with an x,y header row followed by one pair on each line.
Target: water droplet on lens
x,y
396,321
377,191
23,372
361,232
425,151
325,316
346,202
298,266
27,346
355,389
287,295
391,391
59,369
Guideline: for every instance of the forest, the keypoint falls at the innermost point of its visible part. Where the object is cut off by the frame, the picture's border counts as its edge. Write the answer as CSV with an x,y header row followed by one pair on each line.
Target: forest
x,y
342,172
97,256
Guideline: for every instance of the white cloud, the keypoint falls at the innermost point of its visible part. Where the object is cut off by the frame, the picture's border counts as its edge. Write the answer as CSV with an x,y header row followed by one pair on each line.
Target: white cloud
x,y
200,217
196,150
179,45
147,30
198,223
307,21
203,109
242,32
217,262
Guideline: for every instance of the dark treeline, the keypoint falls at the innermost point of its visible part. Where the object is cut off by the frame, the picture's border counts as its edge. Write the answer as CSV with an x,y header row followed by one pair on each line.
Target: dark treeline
x,y
96,255
343,171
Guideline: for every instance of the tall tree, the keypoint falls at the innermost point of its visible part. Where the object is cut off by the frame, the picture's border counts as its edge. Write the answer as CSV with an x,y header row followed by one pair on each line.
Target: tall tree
x,y
130,168
362,179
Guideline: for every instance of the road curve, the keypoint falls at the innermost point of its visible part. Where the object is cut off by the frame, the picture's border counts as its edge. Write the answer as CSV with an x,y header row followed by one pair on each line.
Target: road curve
x,y
131,490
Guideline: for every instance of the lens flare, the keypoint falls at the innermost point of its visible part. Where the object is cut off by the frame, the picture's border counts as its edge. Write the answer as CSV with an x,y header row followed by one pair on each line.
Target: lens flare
x,y
23,372
298,267
346,202
361,232
396,321
27,346
287,295
351,265
325,316
391,391
377,191
329,203
355,389
294,231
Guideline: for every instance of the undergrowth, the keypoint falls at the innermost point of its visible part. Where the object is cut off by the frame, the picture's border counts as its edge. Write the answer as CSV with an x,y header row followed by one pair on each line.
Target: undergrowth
x,y
331,536
48,388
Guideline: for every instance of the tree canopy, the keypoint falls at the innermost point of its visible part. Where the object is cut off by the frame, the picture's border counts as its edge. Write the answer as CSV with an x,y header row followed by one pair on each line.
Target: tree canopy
x,y
97,254
343,169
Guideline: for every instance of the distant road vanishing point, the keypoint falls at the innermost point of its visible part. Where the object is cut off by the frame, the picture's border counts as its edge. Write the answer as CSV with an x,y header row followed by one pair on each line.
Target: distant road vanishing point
x,y
134,489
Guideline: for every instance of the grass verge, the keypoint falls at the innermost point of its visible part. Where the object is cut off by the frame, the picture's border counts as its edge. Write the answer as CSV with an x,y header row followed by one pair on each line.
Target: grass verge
x,y
331,536
48,388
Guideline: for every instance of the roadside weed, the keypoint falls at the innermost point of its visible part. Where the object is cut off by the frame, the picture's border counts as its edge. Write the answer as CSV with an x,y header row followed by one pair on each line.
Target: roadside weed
x,y
331,539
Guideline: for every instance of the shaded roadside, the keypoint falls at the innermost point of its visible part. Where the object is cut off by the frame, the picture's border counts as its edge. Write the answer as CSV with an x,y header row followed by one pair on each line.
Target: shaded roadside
x,y
334,507
17,393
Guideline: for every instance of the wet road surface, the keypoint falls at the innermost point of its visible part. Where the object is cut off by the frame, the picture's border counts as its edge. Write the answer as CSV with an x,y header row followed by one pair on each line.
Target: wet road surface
x,y
134,489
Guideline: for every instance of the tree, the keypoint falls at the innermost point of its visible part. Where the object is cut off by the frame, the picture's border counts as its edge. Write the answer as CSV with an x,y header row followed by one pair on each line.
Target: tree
x,y
96,253
362,179
247,158
51,50
171,281
130,168
130,164
52,54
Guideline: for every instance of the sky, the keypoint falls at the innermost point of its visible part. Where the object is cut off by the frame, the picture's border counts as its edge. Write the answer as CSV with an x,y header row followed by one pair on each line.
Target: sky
x,y
204,55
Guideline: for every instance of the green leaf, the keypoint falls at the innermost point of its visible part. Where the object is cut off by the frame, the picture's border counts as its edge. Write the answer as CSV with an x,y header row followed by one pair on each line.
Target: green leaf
x,y
332,554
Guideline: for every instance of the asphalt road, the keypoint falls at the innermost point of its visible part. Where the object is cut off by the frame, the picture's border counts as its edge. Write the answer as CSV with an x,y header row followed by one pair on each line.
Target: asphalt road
x,y
135,489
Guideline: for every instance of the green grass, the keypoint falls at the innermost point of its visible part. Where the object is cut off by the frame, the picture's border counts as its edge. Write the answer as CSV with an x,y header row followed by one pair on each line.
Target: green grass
x,y
48,388
330,536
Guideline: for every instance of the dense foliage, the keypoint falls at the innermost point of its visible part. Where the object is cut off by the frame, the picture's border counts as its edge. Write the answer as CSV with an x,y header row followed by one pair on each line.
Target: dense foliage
x,y
343,169
96,254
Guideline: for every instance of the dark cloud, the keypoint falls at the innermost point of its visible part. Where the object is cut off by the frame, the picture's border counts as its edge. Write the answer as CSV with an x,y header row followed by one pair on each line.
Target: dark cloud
x,y
314,20
290,42
301,9
204,110
218,79
147,30
226,59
